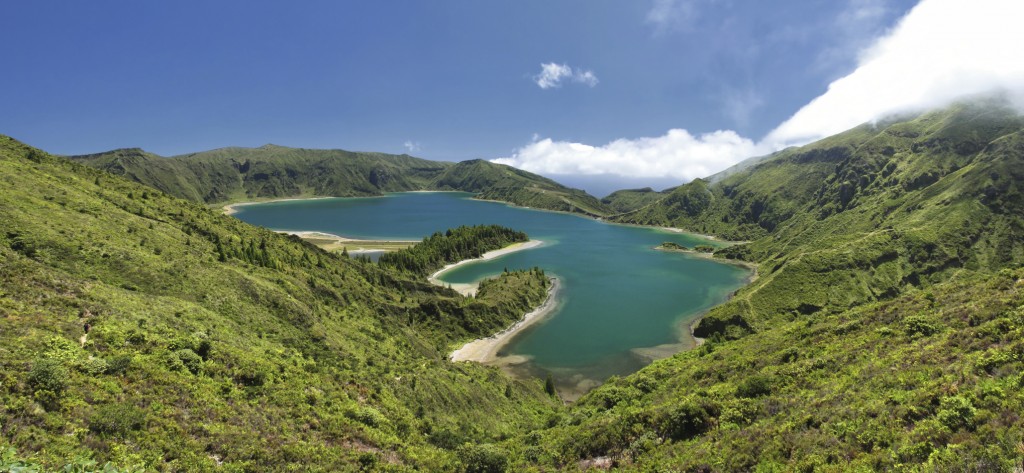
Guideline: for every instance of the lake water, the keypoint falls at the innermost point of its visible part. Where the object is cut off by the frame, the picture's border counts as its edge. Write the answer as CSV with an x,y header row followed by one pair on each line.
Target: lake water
x,y
622,302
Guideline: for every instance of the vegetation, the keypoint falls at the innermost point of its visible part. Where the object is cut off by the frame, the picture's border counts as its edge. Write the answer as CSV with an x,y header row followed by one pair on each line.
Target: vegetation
x,y
883,331
213,342
243,174
881,334
629,200
860,389
440,249
507,184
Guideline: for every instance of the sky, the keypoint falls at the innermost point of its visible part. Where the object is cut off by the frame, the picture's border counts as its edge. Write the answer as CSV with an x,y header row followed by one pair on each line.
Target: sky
x,y
599,94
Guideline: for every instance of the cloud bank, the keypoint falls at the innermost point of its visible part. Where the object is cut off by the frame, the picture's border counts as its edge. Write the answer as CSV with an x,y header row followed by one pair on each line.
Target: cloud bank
x,y
941,51
676,154
552,76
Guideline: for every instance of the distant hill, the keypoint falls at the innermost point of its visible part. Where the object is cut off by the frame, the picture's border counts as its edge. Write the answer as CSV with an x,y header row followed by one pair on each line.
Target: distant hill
x,y
629,200
243,174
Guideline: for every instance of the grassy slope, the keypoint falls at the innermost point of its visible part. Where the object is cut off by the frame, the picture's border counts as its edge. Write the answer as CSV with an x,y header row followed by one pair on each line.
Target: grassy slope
x,y
867,213
243,174
874,322
281,355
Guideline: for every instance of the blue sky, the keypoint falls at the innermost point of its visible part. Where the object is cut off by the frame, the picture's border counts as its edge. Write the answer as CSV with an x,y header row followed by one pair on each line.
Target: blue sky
x,y
447,80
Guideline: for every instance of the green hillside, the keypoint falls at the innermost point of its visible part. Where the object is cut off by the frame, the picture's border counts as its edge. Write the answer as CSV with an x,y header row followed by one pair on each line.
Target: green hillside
x,y
629,200
881,333
244,174
213,342
864,214
508,184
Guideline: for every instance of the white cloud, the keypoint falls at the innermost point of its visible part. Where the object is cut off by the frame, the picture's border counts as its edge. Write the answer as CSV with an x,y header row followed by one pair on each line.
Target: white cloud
x,y
552,75
941,51
676,154
667,15
412,146
739,104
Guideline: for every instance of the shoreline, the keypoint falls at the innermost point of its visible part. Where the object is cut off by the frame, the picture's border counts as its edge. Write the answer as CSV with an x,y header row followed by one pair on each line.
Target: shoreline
x,y
469,289
711,257
231,209
331,236
485,350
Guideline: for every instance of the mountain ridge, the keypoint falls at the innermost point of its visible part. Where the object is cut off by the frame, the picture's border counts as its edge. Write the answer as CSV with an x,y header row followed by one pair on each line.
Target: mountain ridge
x,y
237,174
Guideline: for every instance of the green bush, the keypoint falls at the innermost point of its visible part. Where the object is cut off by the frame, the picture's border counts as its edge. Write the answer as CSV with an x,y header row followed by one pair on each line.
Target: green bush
x,y
95,366
686,421
956,412
48,375
918,325
116,419
119,364
367,415
189,359
484,458
755,386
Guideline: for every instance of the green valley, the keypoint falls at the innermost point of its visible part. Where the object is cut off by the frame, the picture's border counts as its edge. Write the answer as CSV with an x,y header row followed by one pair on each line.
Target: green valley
x,y
882,332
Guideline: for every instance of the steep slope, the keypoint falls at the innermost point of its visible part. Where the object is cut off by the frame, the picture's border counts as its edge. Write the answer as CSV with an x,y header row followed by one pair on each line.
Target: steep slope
x,y
864,214
145,329
883,331
242,174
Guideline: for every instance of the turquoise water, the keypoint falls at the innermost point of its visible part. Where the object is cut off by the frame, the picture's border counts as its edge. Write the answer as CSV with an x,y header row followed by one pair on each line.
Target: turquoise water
x,y
619,295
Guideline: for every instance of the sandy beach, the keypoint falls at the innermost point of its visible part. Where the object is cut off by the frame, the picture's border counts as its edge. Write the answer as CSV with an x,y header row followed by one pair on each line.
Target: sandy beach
x,y
232,209
485,350
469,289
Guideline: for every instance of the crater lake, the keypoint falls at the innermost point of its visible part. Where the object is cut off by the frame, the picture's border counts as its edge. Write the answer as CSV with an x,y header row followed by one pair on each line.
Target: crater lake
x,y
621,303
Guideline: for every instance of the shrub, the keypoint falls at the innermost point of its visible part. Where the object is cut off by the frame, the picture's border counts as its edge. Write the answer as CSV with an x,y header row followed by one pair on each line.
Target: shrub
x,y
755,386
116,419
119,364
367,415
918,325
189,359
95,366
485,458
956,412
48,375
686,421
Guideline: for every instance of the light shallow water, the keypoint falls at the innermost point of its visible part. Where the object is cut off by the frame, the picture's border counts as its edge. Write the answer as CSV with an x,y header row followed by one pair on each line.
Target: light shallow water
x,y
619,296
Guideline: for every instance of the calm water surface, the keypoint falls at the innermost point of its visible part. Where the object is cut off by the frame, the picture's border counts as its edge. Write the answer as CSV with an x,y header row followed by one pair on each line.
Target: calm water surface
x,y
622,302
